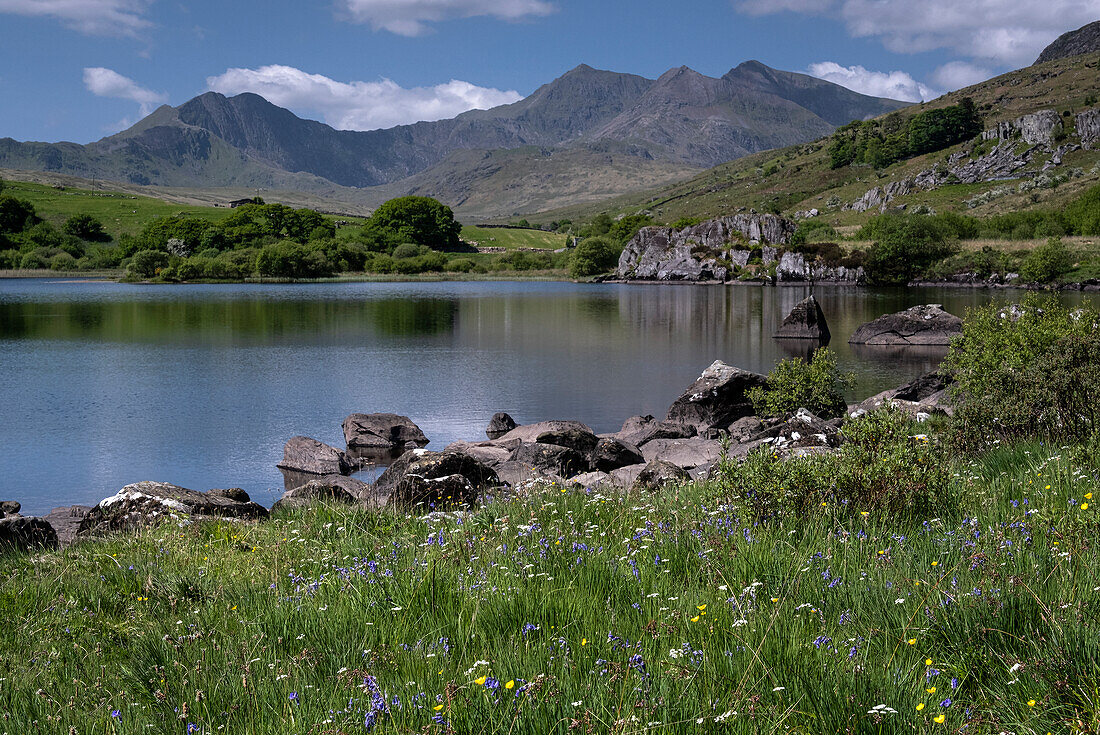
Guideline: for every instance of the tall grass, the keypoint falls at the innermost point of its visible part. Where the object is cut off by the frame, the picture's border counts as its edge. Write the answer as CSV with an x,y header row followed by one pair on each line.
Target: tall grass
x,y
566,610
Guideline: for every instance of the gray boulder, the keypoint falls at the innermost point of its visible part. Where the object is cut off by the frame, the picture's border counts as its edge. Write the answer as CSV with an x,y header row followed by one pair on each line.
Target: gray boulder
x,y
593,480
532,432
432,466
581,440
928,324
927,394
231,493
490,452
656,474
382,431
804,429
611,454
1088,128
552,459
625,476
24,534
66,521
149,503
718,398
303,454
806,321
683,453
499,425
437,493
330,488
519,474
744,428
9,508
637,430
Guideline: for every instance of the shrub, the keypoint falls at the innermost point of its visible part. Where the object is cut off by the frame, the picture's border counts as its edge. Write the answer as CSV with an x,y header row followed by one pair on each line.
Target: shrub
x,y
879,469
905,247
1031,370
1047,263
288,259
34,260
593,255
146,263
63,262
9,259
406,250
16,215
86,227
817,385
460,265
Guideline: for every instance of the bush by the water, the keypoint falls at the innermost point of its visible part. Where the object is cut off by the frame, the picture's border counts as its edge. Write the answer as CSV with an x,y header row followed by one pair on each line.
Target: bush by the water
x,y
1031,370
905,246
817,385
1047,263
594,255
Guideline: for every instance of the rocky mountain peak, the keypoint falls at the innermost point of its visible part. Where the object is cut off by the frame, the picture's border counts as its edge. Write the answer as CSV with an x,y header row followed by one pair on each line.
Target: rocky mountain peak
x,y
1084,40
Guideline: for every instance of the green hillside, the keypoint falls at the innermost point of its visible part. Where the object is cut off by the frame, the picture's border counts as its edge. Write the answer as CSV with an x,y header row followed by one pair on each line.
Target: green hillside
x,y
799,178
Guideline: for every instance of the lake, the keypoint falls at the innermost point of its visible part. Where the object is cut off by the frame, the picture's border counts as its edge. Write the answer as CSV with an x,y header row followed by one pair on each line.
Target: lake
x,y
103,384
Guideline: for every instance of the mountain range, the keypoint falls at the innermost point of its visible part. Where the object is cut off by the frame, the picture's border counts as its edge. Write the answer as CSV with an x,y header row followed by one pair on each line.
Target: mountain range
x,y
540,151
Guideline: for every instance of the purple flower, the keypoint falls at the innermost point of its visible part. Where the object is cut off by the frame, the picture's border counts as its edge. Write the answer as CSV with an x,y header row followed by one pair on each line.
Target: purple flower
x,y
117,714
293,697
946,703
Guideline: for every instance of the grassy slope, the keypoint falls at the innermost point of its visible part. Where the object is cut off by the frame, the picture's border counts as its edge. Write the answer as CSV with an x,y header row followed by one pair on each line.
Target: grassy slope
x,y
511,239
655,613
803,179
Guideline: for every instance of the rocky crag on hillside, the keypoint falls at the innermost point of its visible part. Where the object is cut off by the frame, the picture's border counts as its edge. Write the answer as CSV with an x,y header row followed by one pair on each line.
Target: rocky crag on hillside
x,y
1028,148
721,250
1085,40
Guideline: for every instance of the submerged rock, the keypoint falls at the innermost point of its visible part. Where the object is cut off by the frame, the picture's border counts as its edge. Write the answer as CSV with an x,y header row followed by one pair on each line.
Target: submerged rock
x,y
928,324
499,425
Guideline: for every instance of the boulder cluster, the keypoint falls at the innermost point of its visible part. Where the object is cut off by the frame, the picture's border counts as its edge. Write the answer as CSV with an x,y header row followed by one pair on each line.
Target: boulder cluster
x,y
712,419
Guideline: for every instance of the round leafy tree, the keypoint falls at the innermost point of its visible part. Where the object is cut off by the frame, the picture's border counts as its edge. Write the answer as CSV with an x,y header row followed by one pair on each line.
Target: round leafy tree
x,y
421,220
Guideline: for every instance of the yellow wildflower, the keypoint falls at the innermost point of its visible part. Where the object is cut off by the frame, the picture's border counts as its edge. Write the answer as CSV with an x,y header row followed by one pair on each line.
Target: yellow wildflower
x,y
939,720
511,684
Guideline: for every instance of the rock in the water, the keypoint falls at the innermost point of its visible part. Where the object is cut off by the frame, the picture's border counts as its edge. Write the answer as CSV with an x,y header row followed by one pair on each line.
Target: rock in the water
x,y
684,453
928,324
382,431
499,425
432,466
637,430
303,454
551,459
437,493
658,473
718,398
611,454
806,321
330,488
147,503
66,521
23,534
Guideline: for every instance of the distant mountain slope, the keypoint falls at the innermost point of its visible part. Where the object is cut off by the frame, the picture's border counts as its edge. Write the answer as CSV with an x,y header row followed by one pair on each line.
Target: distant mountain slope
x,y
683,118
1085,40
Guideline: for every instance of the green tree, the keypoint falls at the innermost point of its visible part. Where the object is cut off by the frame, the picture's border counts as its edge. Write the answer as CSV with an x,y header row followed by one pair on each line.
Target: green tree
x,y
86,227
628,227
417,219
594,255
147,263
288,259
16,215
904,247
817,385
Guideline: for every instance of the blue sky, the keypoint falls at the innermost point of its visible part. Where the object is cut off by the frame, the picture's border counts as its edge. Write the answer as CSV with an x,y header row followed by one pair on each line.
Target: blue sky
x,y
82,69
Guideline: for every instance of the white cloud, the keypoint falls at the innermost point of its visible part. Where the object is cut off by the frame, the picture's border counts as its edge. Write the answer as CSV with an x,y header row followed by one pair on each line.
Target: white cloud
x,y
359,105
408,17
897,85
93,17
109,83
958,74
1000,31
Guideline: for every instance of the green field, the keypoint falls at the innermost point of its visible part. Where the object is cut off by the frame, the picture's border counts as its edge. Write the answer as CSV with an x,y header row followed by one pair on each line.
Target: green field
x,y
119,213
512,239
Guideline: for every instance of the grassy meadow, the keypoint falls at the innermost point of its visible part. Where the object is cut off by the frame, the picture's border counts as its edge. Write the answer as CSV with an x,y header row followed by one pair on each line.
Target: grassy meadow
x,y
500,237
570,610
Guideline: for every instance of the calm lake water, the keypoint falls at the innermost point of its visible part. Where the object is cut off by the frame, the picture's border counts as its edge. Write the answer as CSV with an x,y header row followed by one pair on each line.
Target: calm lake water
x,y
104,384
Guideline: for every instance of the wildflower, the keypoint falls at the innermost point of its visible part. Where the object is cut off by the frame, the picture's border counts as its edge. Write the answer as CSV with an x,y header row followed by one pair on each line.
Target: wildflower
x,y
927,662
946,703
939,720
480,680
920,706
912,641
695,619
1088,496
700,608
511,683
584,641
775,599
935,563
437,707
1084,506
117,714
293,697
931,691
1031,703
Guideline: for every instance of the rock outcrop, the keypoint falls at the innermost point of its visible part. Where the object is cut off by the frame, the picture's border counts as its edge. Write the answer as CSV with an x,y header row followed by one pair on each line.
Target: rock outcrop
x,y
683,453
382,431
806,321
705,252
716,399
928,324
303,454
792,267
1088,128
1037,128
1084,40
148,503
637,430
397,486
